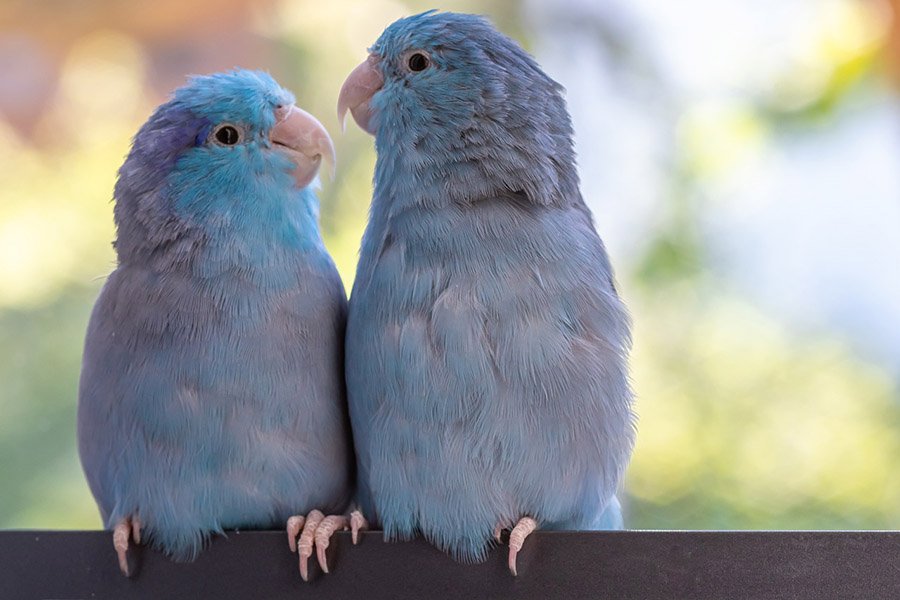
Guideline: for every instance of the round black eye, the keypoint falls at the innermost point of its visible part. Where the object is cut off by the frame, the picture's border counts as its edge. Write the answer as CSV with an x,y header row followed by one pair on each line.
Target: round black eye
x,y
227,135
418,62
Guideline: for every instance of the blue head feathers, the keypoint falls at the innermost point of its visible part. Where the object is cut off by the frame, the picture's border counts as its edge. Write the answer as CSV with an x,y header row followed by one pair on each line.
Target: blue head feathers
x,y
452,100
208,164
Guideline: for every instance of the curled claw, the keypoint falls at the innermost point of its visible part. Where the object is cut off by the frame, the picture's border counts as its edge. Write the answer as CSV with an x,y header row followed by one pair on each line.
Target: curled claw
x,y
517,537
498,534
307,539
124,531
136,529
294,525
120,542
323,536
357,523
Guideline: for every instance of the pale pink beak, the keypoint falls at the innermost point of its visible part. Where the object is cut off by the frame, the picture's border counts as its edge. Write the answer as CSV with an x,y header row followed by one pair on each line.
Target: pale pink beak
x,y
300,135
356,94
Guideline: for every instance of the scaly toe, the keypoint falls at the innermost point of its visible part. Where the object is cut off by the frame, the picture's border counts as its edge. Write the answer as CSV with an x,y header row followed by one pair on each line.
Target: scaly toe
x,y
324,532
294,525
357,523
498,534
136,529
307,539
121,535
517,537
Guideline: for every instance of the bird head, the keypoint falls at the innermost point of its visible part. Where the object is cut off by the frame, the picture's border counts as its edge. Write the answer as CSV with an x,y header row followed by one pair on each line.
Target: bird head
x,y
452,99
226,150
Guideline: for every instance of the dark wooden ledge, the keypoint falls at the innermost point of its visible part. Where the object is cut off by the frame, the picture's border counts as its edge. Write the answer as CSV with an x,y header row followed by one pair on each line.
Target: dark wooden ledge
x,y
646,565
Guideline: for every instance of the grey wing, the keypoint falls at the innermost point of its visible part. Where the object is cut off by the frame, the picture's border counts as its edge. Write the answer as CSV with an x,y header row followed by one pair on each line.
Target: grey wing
x,y
102,434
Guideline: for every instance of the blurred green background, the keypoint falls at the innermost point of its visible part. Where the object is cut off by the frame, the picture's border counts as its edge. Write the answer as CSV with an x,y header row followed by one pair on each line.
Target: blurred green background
x,y
742,161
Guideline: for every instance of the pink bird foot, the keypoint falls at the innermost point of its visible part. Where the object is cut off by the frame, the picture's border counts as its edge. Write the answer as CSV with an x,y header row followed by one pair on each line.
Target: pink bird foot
x,y
517,537
315,531
498,534
326,529
357,523
305,527
126,530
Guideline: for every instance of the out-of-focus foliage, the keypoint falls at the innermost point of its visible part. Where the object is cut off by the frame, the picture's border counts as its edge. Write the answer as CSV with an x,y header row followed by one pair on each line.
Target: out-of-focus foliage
x,y
746,426
746,420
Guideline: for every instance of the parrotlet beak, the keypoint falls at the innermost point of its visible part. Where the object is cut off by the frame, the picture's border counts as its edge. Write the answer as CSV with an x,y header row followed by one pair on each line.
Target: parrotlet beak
x,y
300,135
356,94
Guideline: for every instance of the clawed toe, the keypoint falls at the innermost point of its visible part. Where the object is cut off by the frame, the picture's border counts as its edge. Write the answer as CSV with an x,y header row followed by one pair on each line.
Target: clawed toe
x,y
498,534
323,536
124,531
315,531
294,526
517,536
307,540
357,523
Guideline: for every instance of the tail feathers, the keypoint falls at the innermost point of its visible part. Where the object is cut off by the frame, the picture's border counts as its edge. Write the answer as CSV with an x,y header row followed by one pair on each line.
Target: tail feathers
x,y
610,518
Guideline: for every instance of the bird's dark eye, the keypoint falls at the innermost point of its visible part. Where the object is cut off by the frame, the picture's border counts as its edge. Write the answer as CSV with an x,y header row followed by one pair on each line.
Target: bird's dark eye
x,y
418,62
227,135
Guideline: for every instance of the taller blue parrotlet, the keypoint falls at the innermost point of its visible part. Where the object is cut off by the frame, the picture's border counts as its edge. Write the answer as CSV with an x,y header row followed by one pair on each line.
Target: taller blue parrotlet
x,y
486,356
212,393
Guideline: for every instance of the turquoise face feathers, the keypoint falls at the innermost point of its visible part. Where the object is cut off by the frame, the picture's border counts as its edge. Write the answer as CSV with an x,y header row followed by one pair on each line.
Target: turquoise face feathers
x,y
221,141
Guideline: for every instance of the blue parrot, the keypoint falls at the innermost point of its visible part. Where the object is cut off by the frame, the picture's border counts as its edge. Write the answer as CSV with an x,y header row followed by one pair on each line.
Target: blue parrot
x,y
486,354
212,394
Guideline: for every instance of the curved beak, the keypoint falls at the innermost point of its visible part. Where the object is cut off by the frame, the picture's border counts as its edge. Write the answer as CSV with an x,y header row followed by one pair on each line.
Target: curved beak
x,y
356,94
300,135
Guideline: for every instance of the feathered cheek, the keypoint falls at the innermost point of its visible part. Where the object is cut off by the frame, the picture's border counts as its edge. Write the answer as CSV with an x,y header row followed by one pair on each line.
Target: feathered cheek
x,y
235,168
279,166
